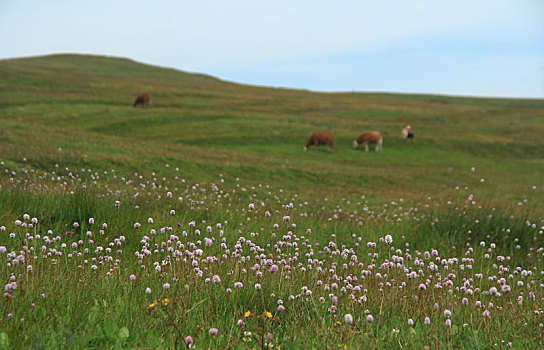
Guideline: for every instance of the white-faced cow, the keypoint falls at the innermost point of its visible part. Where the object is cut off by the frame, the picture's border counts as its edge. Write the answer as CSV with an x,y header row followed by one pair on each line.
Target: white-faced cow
x,y
142,99
370,138
320,139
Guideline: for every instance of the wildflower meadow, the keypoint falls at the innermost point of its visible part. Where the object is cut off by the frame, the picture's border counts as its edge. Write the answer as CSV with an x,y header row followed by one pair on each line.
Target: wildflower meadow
x,y
104,260
199,221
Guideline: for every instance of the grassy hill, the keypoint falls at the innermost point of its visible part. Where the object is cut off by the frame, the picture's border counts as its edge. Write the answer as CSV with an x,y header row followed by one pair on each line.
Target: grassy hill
x,y
77,110
201,221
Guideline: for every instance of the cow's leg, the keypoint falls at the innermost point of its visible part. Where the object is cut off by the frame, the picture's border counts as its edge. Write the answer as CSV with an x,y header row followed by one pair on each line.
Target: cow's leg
x,y
366,147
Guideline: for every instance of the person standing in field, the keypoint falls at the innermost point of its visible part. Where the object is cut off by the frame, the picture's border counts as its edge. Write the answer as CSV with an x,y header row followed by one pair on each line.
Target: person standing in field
x,y
407,132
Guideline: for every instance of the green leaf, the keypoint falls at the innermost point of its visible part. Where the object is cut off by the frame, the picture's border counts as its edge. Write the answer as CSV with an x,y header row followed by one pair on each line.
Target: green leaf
x,y
4,340
153,338
123,333
110,328
93,313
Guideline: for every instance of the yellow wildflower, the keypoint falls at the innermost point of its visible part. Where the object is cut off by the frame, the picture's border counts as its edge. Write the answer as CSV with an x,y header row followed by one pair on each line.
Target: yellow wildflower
x,y
268,314
247,314
152,305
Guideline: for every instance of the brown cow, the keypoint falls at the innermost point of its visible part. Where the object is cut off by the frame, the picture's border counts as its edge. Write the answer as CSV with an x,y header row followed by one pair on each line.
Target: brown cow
x,y
142,99
320,139
370,138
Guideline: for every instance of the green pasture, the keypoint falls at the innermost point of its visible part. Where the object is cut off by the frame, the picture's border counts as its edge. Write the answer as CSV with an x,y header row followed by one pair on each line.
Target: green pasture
x,y
77,110
72,144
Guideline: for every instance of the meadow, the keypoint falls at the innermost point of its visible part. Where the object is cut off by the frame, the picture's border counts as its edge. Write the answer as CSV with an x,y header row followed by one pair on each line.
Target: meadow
x,y
200,221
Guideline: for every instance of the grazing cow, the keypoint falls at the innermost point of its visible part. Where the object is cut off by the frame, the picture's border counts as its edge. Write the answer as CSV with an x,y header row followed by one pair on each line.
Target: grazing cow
x,y
142,99
320,139
370,138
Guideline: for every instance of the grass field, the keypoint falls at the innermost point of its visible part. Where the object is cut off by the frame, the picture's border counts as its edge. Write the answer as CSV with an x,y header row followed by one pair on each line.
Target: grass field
x,y
157,227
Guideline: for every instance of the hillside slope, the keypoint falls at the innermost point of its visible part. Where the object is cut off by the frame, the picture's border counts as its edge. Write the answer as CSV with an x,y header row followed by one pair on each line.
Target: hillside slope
x,y
76,110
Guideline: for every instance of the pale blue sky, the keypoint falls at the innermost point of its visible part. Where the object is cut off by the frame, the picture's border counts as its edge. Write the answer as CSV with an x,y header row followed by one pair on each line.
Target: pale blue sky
x,y
454,47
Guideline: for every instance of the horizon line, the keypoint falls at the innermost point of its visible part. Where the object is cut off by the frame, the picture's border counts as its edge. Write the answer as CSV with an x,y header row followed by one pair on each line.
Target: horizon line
x,y
353,91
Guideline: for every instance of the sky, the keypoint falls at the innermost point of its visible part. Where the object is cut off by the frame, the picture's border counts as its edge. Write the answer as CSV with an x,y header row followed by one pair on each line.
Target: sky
x,y
491,48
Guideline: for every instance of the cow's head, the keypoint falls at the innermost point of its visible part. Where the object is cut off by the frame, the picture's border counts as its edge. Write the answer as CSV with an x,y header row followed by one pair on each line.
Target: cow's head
x,y
355,144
